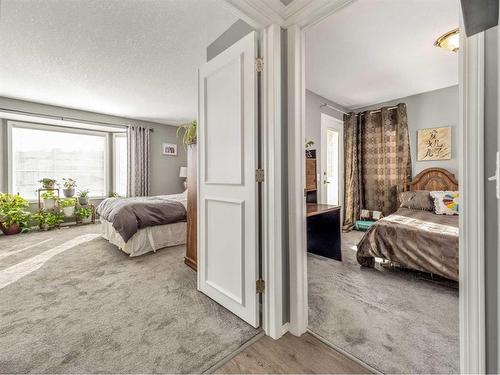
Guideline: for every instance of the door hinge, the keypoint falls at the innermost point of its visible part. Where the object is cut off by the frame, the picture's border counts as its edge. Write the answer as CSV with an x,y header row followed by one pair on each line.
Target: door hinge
x,y
259,64
260,285
259,175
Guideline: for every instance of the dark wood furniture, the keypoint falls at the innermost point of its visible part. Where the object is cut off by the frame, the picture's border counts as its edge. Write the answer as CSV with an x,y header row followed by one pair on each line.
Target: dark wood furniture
x,y
191,242
323,230
311,189
432,179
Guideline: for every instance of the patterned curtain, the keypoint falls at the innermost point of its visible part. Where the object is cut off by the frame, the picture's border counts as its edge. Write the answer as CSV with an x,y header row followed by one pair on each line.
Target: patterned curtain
x,y
378,159
139,161
351,171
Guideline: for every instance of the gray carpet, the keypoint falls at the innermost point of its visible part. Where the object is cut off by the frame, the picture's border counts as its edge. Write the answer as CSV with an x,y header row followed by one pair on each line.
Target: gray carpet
x,y
394,320
92,309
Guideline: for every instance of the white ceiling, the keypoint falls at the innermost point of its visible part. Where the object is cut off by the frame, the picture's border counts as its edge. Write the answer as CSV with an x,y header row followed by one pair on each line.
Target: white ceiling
x,y
130,58
378,50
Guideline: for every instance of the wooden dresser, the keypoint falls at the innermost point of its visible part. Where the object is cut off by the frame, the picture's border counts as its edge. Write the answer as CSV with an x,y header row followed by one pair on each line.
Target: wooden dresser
x,y
192,209
311,189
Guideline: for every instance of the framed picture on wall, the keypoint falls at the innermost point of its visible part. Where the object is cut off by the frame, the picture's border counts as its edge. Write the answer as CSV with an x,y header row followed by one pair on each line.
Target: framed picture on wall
x,y
169,149
434,144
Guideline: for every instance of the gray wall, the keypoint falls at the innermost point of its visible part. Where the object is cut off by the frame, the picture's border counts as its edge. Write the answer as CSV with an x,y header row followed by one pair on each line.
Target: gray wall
x,y
428,110
235,32
491,145
164,169
313,119
313,116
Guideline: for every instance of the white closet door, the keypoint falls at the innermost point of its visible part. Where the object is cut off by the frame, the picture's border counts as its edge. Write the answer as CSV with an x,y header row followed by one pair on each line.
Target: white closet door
x,y
227,140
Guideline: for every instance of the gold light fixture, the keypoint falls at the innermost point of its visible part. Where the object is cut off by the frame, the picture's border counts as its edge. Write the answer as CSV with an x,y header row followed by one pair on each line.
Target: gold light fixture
x,y
449,41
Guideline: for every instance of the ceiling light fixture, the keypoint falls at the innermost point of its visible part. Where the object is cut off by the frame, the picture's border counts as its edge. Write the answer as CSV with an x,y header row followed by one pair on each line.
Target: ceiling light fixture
x,y
449,41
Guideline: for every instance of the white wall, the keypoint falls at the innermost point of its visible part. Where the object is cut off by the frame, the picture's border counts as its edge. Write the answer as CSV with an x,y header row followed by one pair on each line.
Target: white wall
x,y
164,169
428,110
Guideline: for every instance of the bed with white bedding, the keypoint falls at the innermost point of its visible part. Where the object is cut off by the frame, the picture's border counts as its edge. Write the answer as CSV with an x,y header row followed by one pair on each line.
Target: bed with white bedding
x,y
144,224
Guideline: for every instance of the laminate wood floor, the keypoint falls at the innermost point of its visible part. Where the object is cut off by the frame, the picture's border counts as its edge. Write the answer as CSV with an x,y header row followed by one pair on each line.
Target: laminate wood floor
x,y
291,354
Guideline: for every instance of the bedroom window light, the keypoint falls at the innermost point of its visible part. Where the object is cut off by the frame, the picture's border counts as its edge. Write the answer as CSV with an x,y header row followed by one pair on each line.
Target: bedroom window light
x,y
120,164
39,151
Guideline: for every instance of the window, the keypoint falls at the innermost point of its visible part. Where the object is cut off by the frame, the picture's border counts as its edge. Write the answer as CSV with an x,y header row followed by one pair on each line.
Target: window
x,y
39,151
120,164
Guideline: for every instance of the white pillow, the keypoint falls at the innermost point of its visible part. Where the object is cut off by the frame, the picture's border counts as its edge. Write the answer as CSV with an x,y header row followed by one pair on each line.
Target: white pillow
x,y
446,202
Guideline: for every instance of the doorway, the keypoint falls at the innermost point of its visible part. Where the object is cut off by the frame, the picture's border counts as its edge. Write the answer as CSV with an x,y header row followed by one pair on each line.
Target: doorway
x,y
332,170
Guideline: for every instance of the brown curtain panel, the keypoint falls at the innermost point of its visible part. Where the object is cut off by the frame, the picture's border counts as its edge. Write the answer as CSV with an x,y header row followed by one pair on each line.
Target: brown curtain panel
x,y
377,161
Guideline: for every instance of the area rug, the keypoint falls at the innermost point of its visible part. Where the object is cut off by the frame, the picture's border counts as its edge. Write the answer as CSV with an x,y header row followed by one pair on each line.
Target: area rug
x,y
90,308
394,320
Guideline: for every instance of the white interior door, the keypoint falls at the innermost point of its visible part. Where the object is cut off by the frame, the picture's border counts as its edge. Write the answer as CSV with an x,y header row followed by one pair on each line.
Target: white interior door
x,y
331,173
227,197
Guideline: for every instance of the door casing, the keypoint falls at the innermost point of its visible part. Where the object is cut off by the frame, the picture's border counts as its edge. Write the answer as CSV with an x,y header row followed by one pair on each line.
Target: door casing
x,y
338,126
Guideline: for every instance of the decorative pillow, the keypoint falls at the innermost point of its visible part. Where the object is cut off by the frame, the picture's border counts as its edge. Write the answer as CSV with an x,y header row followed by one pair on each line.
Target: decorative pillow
x,y
446,202
416,200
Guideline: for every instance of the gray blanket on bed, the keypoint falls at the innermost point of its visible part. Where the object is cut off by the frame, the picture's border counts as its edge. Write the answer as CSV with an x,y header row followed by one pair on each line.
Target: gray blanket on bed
x,y
128,215
416,239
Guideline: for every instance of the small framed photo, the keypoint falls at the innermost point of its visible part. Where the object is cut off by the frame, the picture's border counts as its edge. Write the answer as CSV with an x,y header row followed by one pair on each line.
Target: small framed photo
x,y
169,149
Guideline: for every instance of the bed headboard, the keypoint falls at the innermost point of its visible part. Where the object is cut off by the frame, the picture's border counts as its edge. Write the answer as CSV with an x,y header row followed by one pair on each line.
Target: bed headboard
x,y
434,179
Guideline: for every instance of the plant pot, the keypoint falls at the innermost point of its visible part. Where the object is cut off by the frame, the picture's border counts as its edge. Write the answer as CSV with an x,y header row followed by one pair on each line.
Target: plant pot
x,y
49,204
68,211
13,229
86,220
83,200
69,192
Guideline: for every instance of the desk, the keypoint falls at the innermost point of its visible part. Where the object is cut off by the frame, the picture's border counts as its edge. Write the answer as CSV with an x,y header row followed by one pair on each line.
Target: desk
x,y
323,230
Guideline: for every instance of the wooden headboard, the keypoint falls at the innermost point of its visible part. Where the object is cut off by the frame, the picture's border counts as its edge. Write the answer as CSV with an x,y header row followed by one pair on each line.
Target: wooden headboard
x,y
434,179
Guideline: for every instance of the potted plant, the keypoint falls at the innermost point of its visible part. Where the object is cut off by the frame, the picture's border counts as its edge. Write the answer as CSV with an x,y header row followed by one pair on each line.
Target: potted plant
x,y
69,187
84,214
49,200
189,137
48,220
83,197
14,214
68,206
47,183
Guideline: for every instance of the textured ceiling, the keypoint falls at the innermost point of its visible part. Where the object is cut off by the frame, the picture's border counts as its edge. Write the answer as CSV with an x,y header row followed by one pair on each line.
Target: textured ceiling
x,y
130,58
378,50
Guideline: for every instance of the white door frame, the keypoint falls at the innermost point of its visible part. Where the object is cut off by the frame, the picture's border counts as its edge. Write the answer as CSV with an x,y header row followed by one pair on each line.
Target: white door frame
x,y
471,304
296,18
324,161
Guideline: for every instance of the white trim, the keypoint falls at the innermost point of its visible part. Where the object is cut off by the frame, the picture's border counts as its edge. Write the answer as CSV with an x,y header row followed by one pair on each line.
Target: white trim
x,y
256,13
472,311
314,12
272,195
304,13
296,182
323,157
471,165
285,328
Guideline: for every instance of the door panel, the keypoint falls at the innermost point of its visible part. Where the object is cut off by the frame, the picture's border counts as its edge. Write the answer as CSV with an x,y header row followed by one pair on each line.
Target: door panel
x,y
227,141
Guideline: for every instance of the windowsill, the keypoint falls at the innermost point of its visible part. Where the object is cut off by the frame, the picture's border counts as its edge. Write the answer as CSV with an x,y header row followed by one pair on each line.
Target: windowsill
x,y
35,201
